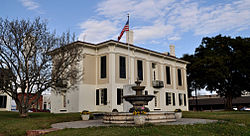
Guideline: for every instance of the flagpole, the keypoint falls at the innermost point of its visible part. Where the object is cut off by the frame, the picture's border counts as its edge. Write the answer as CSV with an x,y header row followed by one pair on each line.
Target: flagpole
x,y
129,81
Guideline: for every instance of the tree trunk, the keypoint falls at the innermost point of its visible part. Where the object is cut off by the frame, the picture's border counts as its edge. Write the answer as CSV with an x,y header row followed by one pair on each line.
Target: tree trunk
x,y
23,112
229,103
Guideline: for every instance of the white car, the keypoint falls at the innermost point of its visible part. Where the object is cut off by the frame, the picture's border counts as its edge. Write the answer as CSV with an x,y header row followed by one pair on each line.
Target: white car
x,y
245,109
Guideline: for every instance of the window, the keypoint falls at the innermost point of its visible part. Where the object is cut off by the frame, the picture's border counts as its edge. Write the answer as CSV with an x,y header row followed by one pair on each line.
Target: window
x,y
119,96
154,76
179,77
156,93
168,98
185,103
180,99
139,70
104,96
153,65
3,100
97,100
173,95
103,67
155,101
101,96
168,75
122,67
146,93
154,70
64,100
45,105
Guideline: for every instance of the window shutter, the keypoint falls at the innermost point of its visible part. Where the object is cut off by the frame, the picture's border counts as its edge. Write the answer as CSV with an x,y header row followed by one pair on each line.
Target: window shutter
x,y
173,95
97,97
118,96
166,98
185,103
105,96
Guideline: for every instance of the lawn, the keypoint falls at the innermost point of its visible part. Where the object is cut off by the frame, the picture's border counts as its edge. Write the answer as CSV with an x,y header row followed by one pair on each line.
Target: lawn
x,y
12,124
231,123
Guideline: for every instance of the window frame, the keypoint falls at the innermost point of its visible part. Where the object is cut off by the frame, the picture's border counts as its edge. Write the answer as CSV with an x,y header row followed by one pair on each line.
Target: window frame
x,y
173,95
122,67
140,69
168,98
168,75
179,77
119,96
3,101
102,97
180,99
97,97
103,67
185,100
64,103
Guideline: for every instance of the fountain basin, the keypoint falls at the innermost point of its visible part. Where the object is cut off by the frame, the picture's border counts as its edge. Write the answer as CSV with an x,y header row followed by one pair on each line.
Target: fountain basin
x,y
138,99
128,118
138,89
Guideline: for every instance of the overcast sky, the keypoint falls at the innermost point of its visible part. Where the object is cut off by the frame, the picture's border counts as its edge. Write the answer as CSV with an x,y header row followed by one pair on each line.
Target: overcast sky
x,y
156,23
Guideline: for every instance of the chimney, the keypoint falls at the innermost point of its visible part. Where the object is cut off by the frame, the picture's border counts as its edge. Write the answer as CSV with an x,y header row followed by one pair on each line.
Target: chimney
x,y
130,37
172,50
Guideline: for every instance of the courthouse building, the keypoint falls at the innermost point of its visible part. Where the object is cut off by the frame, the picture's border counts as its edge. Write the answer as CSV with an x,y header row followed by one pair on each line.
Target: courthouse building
x,y
110,66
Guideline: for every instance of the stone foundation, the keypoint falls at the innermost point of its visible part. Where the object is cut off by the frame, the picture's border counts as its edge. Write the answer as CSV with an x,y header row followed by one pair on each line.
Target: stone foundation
x,y
128,118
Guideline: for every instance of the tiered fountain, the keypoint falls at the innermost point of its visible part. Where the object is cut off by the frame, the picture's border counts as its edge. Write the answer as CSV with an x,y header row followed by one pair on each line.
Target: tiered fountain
x,y
138,101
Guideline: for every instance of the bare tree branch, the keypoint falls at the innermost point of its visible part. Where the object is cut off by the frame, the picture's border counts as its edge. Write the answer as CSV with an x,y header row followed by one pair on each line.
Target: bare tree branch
x,y
27,49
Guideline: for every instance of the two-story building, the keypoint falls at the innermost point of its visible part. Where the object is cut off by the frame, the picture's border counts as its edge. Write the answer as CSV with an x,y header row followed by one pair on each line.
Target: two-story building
x,y
110,65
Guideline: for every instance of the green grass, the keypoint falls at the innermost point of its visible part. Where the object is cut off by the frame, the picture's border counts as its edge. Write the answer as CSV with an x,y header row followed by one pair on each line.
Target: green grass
x,y
12,124
231,123
238,117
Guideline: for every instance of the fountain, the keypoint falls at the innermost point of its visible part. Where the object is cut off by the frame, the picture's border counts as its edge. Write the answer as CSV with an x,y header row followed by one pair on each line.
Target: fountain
x,y
138,101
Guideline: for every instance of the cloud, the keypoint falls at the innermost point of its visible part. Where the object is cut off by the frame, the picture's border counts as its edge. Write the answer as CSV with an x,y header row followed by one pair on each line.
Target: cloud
x,y
202,20
169,19
174,38
156,31
143,9
30,4
97,31
233,16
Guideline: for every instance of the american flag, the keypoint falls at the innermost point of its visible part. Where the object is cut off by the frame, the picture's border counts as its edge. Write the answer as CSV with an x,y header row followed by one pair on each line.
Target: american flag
x,y
125,28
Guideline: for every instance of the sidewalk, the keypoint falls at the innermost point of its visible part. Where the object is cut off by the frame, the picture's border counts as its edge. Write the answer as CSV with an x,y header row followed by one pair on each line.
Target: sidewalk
x,y
97,123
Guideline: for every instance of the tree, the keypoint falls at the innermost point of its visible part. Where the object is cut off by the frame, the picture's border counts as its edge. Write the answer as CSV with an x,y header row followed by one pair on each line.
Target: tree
x,y
26,51
221,64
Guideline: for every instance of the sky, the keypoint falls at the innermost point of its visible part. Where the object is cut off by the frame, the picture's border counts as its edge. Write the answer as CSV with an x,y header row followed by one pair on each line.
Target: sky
x,y
156,23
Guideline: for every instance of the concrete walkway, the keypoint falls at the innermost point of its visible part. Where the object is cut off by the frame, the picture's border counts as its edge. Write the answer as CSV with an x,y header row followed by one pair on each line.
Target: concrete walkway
x,y
97,123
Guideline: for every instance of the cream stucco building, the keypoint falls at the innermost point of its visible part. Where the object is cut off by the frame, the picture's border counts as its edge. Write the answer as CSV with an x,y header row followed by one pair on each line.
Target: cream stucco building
x,y
111,65
5,102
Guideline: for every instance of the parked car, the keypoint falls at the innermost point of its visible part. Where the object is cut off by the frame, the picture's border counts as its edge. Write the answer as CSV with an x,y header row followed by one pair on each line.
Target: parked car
x,y
245,109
